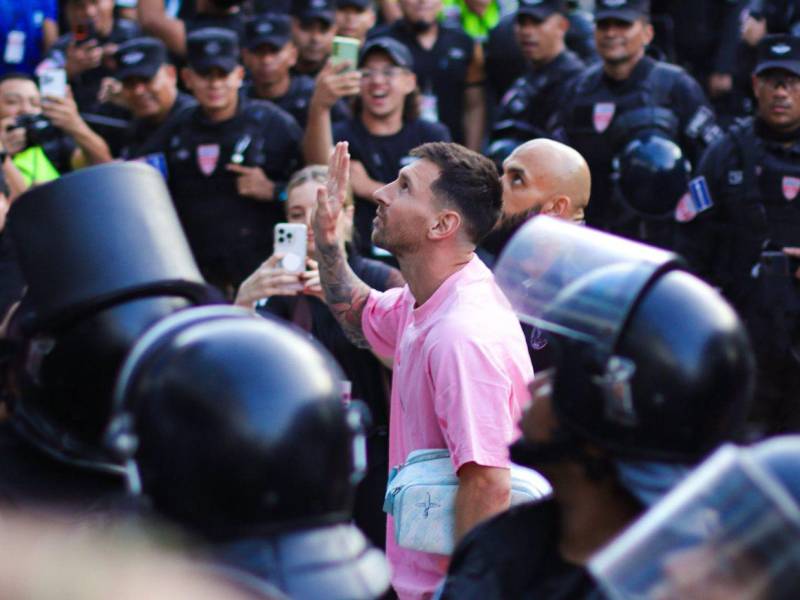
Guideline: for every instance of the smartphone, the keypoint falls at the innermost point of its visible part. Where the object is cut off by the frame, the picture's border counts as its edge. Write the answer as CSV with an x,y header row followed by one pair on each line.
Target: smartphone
x,y
53,82
291,240
345,49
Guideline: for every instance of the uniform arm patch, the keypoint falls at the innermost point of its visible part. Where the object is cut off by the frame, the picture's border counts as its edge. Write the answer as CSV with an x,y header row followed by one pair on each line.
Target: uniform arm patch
x,y
696,200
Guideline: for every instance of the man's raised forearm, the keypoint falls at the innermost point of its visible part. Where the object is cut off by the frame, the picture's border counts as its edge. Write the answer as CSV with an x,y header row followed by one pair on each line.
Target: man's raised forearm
x,y
345,294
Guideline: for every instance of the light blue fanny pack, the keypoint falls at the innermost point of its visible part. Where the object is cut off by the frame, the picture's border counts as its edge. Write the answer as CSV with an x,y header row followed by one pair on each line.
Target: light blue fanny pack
x,y
421,497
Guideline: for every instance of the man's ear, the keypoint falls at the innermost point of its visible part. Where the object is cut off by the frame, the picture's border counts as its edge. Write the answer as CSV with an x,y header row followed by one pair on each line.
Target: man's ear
x,y
556,207
447,224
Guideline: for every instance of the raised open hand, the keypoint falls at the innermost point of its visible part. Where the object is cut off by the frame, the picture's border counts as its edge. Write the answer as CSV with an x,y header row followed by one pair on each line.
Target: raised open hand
x,y
330,199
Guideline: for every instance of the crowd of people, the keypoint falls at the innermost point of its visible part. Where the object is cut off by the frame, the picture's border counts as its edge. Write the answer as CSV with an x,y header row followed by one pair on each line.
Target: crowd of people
x,y
565,234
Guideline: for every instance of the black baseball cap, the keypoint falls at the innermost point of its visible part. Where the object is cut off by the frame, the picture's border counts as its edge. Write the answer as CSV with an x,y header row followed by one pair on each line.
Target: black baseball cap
x,y
397,51
541,9
212,47
624,10
139,57
778,52
308,10
272,29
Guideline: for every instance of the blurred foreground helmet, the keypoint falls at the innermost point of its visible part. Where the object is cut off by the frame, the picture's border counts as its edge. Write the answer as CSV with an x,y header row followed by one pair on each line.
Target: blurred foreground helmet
x,y
238,429
104,257
730,530
652,363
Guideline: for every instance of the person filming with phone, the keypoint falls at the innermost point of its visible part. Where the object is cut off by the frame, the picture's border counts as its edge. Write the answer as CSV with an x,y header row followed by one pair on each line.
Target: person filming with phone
x,y
296,295
45,136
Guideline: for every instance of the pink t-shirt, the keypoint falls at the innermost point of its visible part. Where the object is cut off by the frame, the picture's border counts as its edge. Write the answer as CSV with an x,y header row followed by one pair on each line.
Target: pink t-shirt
x,y
461,370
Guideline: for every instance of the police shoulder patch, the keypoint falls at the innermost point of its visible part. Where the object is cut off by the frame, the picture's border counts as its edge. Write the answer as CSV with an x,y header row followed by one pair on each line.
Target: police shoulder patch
x,y
695,201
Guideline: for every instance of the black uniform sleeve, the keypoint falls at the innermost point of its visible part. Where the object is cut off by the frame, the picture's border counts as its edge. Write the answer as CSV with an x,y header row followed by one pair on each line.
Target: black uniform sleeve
x,y
698,122
701,241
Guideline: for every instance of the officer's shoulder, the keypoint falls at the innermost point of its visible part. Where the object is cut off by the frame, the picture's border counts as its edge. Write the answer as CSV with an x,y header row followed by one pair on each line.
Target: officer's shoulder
x,y
265,110
590,76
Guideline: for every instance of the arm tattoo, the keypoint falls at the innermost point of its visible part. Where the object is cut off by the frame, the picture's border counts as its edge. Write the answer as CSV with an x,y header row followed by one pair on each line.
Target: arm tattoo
x,y
345,294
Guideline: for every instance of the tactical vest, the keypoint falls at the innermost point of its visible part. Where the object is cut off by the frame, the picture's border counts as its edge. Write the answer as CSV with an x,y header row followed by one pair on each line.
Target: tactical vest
x,y
222,226
768,184
591,125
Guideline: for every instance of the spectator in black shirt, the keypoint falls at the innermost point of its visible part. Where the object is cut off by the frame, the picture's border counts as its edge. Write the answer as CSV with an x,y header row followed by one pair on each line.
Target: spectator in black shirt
x,y
450,70
384,129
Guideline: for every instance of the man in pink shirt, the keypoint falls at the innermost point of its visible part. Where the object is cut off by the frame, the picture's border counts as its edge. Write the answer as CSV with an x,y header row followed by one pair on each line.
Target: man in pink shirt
x,y
460,361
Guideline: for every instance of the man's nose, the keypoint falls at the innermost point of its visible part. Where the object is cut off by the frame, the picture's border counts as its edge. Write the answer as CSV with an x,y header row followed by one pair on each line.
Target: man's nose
x,y
380,196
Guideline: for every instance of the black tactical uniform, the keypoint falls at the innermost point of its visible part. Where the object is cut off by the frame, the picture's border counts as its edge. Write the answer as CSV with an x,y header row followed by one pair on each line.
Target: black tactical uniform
x,y
441,71
529,108
230,234
596,122
736,222
752,212
141,133
86,85
504,60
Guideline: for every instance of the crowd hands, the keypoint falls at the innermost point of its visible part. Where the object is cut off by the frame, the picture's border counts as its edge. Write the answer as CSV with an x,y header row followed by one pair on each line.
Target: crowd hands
x,y
230,102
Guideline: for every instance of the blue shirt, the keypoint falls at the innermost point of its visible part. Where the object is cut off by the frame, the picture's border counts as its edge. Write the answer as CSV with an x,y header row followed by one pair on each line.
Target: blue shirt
x,y
28,19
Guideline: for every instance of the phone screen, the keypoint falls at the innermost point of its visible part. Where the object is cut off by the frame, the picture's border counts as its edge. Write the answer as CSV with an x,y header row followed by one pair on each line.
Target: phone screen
x,y
53,82
345,49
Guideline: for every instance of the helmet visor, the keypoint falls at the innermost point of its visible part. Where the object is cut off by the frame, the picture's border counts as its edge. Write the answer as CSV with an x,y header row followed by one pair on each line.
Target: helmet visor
x,y
729,530
576,281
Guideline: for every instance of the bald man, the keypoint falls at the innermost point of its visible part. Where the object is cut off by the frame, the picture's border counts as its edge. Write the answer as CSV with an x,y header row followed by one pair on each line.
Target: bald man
x,y
541,176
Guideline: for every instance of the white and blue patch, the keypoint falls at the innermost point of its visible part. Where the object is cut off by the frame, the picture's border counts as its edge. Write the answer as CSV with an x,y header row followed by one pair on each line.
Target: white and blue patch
x,y
696,200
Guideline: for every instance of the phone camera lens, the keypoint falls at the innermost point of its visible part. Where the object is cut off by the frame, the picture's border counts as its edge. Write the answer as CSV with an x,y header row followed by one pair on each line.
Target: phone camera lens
x,y
289,235
280,240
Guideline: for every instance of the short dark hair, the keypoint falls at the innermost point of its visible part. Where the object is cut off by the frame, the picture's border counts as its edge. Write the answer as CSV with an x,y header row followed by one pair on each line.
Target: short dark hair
x,y
469,182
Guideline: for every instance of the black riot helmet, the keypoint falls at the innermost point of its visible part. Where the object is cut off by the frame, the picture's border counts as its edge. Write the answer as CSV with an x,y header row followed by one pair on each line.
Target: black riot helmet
x,y
652,364
238,431
239,424
104,257
649,169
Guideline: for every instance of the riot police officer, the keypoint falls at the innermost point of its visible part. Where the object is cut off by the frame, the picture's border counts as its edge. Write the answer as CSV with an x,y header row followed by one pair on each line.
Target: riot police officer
x,y
241,436
652,370
528,109
628,95
741,224
90,295
228,160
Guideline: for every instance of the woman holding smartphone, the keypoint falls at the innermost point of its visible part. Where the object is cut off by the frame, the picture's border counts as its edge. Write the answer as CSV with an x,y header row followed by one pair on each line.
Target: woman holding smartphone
x,y
298,297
